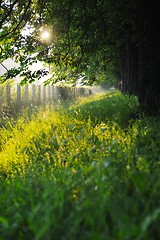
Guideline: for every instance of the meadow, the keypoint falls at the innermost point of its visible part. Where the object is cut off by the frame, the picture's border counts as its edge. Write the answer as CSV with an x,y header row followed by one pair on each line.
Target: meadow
x,y
82,170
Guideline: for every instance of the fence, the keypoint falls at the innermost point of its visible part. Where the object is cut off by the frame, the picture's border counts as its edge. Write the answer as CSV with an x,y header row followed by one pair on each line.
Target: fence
x,y
38,94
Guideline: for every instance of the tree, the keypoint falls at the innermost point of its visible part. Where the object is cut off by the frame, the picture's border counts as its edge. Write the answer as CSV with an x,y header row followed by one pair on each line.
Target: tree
x,y
15,17
140,52
80,48
93,39
149,60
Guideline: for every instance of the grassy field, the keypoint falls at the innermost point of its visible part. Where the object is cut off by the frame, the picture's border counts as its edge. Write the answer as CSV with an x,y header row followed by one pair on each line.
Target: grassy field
x,y
82,171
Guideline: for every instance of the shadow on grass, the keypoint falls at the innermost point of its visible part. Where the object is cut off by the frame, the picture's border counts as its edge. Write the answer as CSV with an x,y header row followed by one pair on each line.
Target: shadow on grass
x,y
116,108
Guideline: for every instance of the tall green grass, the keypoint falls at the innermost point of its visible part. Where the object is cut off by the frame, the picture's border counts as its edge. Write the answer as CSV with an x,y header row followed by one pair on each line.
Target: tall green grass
x,y
84,171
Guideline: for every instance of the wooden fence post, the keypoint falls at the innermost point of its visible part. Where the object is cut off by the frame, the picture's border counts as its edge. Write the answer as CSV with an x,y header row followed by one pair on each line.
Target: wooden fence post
x,y
33,94
39,95
1,95
8,95
44,95
18,95
49,93
26,94
52,93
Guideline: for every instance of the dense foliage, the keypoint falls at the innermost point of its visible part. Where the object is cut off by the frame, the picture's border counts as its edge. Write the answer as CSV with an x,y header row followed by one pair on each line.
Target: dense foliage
x,y
93,41
80,44
88,171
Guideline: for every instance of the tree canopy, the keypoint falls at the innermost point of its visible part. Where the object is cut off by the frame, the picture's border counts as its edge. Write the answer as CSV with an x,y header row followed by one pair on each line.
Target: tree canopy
x,y
82,42
97,40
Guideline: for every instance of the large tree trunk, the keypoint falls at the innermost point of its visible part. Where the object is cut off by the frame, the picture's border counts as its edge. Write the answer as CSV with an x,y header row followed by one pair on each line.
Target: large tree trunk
x,y
149,57
129,67
141,61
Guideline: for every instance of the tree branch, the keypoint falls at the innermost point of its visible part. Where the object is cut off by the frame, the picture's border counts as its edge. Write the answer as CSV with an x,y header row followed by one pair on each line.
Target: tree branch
x,y
8,13
4,67
21,20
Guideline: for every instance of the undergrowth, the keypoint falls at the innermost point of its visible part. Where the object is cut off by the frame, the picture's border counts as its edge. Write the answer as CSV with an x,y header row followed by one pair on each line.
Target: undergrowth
x,y
89,171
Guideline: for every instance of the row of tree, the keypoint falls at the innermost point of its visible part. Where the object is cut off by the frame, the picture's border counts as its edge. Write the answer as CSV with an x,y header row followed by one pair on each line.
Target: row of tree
x,y
95,40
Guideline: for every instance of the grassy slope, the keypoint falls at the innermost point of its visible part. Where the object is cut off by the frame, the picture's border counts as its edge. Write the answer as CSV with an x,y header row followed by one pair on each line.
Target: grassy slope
x,y
85,172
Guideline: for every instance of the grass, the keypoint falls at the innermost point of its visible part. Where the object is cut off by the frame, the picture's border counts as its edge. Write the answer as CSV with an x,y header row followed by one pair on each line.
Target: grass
x,y
89,171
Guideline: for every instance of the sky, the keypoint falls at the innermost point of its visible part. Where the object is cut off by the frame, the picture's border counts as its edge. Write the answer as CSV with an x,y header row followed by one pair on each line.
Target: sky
x,y
10,64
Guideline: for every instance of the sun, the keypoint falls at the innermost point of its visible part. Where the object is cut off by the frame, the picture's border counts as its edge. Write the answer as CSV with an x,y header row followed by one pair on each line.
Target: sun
x,y
45,35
